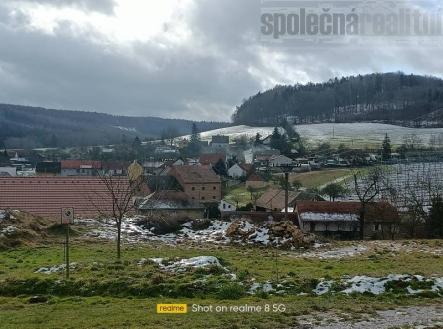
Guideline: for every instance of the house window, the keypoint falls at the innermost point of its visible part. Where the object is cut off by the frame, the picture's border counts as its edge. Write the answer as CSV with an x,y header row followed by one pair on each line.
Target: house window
x,y
214,188
193,188
213,197
224,205
203,197
228,206
203,188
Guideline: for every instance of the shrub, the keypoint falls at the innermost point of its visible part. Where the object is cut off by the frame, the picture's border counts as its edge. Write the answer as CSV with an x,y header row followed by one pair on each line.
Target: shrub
x,y
230,291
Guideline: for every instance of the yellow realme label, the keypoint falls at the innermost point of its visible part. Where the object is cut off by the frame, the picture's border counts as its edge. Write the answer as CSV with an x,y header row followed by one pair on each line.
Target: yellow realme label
x,y
172,308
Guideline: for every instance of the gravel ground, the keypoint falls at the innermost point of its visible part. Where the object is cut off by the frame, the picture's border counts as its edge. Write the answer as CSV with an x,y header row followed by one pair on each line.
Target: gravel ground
x,y
417,317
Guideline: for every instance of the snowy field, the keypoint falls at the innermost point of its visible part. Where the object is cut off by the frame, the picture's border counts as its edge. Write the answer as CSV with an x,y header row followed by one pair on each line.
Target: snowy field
x,y
348,133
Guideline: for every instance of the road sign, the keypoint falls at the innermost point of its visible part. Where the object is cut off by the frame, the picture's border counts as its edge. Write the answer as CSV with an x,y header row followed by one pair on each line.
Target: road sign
x,y
67,216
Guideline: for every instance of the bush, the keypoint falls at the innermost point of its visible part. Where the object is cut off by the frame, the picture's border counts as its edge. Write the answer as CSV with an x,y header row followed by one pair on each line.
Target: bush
x,y
231,291
248,207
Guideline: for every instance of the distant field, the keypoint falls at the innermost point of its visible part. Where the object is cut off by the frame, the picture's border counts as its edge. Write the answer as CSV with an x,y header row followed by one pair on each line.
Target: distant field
x,y
316,179
358,135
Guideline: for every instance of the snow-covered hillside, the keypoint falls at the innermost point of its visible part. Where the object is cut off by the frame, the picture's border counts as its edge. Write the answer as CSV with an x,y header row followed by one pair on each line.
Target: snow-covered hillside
x,y
348,133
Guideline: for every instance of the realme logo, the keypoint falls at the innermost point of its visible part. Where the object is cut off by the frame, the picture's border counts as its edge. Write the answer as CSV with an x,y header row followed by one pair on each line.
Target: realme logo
x,y
172,308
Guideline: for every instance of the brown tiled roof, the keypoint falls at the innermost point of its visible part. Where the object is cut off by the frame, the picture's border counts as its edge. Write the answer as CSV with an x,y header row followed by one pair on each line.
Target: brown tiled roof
x,y
255,178
377,211
246,167
115,165
46,196
275,199
195,174
211,158
78,164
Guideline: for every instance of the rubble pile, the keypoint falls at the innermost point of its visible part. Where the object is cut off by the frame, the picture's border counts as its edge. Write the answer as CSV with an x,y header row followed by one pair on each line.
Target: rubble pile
x,y
284,235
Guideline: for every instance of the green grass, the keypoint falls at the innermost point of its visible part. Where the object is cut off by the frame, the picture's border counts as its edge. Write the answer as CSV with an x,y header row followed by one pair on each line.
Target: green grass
x,y
316,179
259,262
239,194
121,305
101,312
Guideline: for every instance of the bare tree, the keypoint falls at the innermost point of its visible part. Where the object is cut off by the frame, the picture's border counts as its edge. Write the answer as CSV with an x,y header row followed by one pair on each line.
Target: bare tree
x,y
367,186
421,188
117,200
255,194
236,198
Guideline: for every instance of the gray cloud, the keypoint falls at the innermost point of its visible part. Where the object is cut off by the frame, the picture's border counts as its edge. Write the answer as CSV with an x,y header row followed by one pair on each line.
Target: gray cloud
x,y
205,78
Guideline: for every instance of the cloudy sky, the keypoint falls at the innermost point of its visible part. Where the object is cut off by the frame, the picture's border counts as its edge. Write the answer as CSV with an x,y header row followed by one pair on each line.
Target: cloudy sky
x,y
194,59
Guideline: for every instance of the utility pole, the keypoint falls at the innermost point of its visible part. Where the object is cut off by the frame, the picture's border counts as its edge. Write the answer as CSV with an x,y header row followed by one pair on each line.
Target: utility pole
x,y
67,251
286,194
66,220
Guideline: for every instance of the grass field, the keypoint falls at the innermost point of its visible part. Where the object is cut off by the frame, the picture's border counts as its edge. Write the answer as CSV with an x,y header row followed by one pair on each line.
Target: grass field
x,y
316,179
102,293
239,195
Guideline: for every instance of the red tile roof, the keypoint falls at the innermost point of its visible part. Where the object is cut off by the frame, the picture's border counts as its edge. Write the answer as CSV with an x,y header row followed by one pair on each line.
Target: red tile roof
x,y
46,196
78,164
195,174
255,178
211,158
375,211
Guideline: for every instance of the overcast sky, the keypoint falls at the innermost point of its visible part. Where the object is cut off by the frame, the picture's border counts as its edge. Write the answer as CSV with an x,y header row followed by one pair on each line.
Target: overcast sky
x,y
194,59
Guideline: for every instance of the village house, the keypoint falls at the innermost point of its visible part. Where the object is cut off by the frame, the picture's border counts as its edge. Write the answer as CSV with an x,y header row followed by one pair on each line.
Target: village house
x,y
80,168
220,142
46,196
274,199
239,170
153,167
255,181
211,159
20,162
342,219
48,168
200,183
280,161
262,157
166,153
225,206
115,168
8,171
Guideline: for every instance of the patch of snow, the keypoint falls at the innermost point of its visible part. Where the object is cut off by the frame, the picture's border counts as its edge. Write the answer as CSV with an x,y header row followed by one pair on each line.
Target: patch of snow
x,y
337,253
438,285
56,268
264,287
366,284
323,287
321,217
8,230
376,286
126,128
188,263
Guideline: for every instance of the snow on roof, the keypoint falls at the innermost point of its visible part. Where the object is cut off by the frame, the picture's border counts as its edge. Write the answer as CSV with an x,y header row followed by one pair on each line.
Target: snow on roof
x,y
328,217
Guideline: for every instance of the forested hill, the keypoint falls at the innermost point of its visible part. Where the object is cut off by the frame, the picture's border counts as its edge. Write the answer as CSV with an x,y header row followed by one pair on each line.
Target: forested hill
x,y
32,127
389,97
